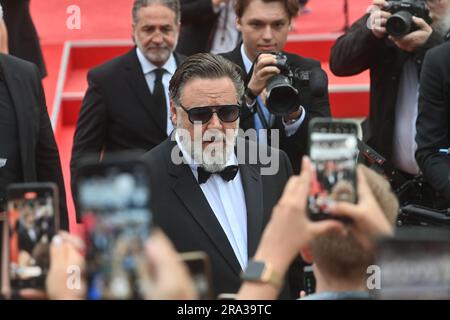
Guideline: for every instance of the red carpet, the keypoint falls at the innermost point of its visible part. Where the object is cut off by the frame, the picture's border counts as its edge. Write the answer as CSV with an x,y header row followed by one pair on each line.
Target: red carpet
x,y
106,19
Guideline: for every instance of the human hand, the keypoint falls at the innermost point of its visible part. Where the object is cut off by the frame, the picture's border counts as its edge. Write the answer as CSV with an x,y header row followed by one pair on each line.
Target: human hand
x,y
263,70
416,39
66,262
170,276
378,18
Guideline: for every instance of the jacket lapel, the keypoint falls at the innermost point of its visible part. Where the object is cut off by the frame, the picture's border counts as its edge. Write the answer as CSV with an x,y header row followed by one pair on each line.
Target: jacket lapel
x,y
138,83
190,194
252,185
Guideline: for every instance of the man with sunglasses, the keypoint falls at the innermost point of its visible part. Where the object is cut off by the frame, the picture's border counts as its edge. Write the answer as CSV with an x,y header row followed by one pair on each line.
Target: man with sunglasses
x,y
207,193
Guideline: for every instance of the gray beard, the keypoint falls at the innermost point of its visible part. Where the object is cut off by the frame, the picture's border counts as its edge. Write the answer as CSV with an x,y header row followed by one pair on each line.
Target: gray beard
x,y
211,163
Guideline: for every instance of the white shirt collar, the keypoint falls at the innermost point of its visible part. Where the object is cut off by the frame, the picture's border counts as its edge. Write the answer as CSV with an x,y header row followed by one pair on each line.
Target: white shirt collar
x,y
147,67
247,62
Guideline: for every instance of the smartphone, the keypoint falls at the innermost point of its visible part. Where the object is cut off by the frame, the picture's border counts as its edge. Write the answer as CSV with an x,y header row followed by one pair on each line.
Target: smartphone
x,y
309,280
114,199
333,150
31,222
200,269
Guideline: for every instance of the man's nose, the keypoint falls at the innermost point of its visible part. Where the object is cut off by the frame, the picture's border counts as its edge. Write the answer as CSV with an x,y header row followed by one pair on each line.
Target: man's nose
x,y
267,33
158,37
214,122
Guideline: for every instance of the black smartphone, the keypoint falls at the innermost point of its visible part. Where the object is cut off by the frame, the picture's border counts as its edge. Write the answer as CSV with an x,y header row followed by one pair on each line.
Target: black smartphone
x,y
200,270
309,280
333,150
31,222
114,199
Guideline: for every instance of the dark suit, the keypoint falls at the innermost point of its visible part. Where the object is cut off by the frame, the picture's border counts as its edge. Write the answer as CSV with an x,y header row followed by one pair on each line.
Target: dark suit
x,y
433,121
198,25
38,151
118,112
358,50
183,212
23,40
296,145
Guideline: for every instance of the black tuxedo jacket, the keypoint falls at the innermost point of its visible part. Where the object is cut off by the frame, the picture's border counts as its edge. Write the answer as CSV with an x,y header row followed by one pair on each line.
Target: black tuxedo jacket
x,y
118,112
433,121
296,145
23,40
183,212
38,150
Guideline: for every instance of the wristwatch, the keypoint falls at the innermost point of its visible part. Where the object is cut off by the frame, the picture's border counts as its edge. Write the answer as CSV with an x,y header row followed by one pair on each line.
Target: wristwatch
x,y
249,97
259,271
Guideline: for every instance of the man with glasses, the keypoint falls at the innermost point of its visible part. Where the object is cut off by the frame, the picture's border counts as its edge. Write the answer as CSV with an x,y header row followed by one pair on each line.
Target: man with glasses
x,y
126,106
206,194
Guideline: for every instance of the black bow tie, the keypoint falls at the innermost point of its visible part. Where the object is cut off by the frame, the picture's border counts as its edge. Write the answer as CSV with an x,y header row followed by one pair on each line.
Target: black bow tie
x,y
227,174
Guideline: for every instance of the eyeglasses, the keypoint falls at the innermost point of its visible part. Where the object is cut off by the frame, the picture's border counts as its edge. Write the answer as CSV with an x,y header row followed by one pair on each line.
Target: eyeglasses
x,y
226,113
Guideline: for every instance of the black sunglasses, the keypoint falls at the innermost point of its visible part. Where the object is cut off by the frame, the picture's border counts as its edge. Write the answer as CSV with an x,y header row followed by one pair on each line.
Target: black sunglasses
x,y
226,113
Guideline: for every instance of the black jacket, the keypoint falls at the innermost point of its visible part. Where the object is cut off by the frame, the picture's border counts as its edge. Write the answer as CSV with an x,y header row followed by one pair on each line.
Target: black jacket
x,y
358,50
433,120
23,40
198,25
183,212
118,112
296,145
38,149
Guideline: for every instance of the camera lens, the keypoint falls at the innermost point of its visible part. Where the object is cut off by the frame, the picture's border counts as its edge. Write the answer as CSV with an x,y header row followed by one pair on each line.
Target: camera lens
x,y
399,24
282,97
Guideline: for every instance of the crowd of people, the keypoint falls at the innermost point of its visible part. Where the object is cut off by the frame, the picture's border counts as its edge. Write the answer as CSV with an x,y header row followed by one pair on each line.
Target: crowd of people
x,y
190,89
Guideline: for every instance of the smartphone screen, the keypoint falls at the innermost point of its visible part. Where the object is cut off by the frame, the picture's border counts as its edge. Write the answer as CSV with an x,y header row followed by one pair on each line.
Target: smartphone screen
x,y
114,200
333,151
32,221
200,271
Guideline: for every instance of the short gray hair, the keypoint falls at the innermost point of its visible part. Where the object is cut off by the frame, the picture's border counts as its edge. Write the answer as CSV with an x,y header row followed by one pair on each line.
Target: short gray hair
x,y
205,66
173,5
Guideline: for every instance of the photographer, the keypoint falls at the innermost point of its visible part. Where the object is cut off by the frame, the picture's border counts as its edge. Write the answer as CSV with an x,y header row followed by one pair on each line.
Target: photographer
x,y
433,123
394,63
264,25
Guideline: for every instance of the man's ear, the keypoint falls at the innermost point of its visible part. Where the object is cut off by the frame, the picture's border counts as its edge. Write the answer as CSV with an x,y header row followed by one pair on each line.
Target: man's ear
x,y
306,255
133,33
173,113
238,24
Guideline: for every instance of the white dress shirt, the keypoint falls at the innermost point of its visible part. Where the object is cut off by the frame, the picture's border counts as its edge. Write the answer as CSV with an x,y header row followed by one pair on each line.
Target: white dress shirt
x,y
404,143
148,69
227,201
291,128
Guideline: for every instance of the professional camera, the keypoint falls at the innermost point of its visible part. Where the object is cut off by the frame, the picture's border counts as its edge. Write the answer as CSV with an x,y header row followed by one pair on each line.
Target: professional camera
x,y
283,89
400,23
